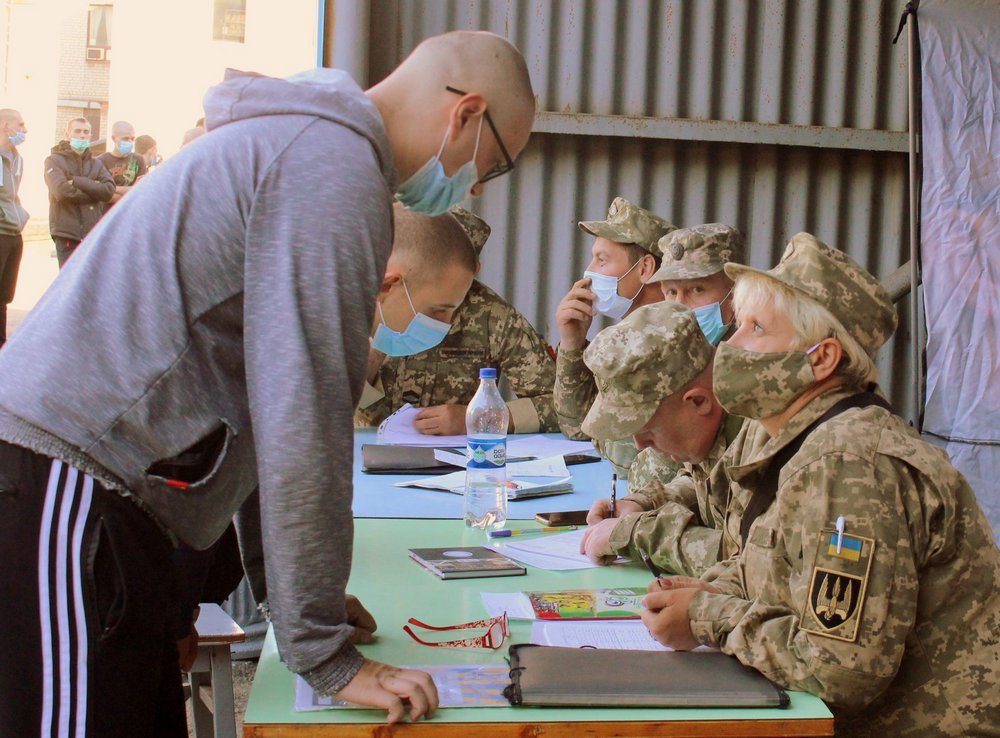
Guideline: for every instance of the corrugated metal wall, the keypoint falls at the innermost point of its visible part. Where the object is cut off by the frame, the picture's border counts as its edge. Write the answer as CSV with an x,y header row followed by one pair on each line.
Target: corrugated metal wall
x,y
775,116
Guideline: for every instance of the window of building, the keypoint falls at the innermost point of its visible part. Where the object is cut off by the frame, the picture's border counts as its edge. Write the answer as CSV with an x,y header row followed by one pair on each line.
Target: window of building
x,y
99,27
230,20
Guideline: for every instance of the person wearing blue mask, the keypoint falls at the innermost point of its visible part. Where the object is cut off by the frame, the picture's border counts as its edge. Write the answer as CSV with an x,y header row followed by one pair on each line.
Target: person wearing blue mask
x,y
428,274
80,187
210,339
691,273
124,163
13,217
625,254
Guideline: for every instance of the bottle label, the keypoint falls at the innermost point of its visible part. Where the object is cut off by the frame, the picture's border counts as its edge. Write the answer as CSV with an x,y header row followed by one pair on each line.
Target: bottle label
x,y
486,453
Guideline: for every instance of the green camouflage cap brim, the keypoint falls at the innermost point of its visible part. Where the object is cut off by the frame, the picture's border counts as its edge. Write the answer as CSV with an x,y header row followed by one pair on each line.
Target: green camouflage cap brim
x,y
628,223
700,251
650,355
838,283
477,229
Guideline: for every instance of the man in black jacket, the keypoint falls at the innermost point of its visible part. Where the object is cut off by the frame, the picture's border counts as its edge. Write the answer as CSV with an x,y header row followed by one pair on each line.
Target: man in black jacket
x,y
79,186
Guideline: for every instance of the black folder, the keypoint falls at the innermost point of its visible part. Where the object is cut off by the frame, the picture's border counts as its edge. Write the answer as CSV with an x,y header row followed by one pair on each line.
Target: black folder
x,y
553,676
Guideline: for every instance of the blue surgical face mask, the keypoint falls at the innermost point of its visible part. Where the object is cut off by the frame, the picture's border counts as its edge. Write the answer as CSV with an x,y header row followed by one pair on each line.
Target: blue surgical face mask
x,y
126,146
17,138
710,319
432,192
79,144
421,334
609,302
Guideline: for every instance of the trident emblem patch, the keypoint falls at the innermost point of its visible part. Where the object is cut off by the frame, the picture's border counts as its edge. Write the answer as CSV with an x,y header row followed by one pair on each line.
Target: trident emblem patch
x,y
838,587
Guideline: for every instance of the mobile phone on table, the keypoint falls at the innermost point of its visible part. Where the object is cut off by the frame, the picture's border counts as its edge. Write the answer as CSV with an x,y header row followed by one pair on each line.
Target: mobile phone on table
x,y
566,517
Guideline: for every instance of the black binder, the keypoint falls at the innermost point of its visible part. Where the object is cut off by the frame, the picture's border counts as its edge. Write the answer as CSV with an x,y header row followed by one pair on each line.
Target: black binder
x,y
552,676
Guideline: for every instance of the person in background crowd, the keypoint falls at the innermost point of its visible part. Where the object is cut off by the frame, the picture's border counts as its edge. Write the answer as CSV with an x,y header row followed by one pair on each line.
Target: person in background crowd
x,y
124,164
145,146
13,216
79,186
486,330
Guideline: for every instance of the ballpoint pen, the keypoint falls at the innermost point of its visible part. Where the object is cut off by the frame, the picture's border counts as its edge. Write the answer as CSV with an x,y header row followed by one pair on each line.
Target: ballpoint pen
x,y
614,493
509,533
650,565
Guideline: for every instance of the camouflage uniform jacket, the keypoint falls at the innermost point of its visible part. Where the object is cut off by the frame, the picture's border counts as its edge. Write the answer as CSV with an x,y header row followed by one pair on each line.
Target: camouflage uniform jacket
x,y
682,528
486,331
898,632
574,393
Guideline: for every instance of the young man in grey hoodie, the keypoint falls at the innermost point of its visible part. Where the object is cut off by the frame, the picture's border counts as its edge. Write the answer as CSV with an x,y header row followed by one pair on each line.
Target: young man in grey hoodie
x,y
200,347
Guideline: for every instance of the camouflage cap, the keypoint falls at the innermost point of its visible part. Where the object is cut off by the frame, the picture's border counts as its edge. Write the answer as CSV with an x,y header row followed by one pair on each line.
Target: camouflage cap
x,y
700,251
628,223
651,354
834,280
477,229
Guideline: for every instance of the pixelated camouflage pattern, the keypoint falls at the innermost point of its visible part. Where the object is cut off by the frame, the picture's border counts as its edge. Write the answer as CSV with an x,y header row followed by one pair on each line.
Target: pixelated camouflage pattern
x,y
621,453
699,251
651,469
759,385
477,229
838,283
573,393
651,354
926,658
628,223
682,528
485,331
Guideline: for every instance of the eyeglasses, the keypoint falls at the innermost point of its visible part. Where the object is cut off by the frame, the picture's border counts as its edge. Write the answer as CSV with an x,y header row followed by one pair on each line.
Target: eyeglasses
x,y
508,164
497,630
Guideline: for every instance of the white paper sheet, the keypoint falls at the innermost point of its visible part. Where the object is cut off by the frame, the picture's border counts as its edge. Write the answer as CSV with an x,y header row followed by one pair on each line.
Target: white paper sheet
x,y
472,685
518,488
542,446
515,604
560,552
398,429
552,466
630,635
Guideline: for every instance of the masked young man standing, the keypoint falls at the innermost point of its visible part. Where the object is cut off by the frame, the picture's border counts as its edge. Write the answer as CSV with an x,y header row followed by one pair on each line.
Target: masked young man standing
x,y
213,336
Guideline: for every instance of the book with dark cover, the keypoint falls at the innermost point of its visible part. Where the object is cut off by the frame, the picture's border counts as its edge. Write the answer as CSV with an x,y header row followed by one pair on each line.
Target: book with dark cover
x,y
553,676
466,562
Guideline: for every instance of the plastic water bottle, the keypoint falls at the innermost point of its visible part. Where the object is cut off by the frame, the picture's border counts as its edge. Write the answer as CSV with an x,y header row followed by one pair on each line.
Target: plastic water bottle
x,y
486,472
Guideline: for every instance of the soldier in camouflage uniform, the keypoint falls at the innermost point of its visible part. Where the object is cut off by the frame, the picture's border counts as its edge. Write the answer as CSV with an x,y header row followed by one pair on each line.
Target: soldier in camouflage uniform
x,y
691,273
654,376
872,579
486,331
625,249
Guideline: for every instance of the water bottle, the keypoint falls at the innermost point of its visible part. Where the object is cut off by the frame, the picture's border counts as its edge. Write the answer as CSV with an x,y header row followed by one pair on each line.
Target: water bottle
x,y
486,472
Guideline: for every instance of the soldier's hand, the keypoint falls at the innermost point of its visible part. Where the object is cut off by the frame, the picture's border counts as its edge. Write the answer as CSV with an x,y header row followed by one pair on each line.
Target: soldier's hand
x,y
601,509
595,542
441,420
362,620
666,617
662,584
574,315
385,686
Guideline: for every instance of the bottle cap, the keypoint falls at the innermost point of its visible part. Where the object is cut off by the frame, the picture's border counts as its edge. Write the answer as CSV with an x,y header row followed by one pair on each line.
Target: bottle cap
x,y
487,372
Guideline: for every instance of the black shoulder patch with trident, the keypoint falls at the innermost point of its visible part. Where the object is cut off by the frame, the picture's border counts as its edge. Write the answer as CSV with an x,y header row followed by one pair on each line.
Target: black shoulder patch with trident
x,y
838,586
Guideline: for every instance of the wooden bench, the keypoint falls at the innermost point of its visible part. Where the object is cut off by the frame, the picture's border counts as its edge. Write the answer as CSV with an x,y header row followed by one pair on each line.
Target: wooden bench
x,y
213,668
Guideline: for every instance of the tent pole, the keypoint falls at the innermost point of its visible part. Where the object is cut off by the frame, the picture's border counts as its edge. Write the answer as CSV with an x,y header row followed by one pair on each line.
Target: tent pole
x,y
916,343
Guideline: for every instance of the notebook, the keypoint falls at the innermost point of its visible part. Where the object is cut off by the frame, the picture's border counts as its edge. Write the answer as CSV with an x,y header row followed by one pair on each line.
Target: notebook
x,y
553,676
466,562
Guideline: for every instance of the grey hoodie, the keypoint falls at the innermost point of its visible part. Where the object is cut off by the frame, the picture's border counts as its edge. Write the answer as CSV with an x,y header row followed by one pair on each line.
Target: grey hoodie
x,y
225,306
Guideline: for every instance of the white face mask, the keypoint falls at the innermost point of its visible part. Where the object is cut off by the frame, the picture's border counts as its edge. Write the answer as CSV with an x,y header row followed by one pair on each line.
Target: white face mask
x,y
609,302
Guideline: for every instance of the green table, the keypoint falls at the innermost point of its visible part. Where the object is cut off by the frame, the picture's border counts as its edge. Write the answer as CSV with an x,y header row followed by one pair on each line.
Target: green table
x,y
394,588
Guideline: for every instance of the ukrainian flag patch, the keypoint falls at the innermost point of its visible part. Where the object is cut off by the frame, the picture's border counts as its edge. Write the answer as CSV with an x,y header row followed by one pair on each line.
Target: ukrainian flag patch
x,y
850,549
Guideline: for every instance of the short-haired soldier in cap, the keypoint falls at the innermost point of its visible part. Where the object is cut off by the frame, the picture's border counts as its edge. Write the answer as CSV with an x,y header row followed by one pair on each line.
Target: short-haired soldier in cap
x,y
486,330
654,379
868,574
691,273
625,255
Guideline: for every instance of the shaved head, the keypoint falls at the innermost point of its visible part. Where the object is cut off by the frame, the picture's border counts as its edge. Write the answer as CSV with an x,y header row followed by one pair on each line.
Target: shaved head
x,y
487,76
122,128
427,245
9,115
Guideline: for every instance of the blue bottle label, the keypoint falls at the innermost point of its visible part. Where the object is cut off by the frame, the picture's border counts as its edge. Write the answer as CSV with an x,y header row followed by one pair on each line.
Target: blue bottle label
x,y
486,453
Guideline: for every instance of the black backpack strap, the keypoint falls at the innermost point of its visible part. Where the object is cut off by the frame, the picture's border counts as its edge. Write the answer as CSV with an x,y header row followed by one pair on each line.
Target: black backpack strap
x,y
765,493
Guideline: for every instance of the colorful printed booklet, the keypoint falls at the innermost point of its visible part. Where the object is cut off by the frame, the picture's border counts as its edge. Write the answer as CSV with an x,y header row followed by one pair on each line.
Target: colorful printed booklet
x,y
618,603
